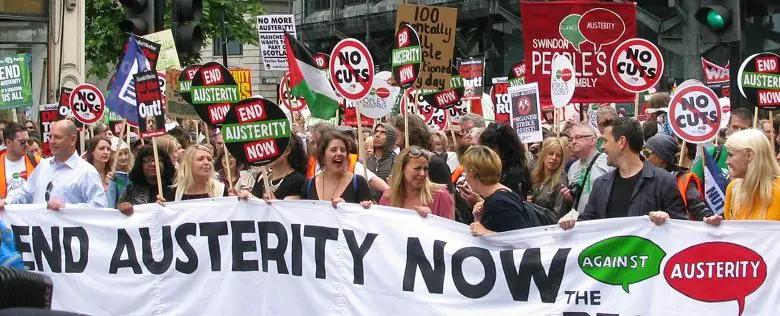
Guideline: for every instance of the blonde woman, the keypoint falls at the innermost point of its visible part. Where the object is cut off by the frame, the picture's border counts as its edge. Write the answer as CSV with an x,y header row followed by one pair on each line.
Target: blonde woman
x,y
754,194
411,188
548,178
172,147
196,178
502,210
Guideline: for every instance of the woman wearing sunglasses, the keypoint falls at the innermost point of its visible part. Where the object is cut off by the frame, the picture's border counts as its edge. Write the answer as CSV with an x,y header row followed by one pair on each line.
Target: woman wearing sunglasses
x,y
411,188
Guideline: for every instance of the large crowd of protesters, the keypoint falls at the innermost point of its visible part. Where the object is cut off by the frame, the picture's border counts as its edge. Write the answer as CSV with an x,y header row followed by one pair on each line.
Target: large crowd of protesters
x,y
479,174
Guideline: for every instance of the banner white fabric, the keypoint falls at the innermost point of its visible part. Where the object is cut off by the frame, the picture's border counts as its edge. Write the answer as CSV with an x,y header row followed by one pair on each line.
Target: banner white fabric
x,y
229,257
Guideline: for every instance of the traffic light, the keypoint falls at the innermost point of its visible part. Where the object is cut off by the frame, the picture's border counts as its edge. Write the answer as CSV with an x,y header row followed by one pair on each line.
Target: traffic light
x,y
186,32
720,20
139,16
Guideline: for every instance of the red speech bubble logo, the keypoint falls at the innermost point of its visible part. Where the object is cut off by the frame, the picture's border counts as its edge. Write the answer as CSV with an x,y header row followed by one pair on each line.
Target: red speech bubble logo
x,y
601,27
716,272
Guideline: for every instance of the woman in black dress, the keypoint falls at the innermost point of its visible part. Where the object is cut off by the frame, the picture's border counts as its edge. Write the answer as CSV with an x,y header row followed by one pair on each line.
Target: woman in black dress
x,y
336,183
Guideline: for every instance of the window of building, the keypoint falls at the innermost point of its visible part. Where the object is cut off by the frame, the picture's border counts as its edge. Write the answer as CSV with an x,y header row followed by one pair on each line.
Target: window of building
x,y
233,47
353,2
37,8
317,5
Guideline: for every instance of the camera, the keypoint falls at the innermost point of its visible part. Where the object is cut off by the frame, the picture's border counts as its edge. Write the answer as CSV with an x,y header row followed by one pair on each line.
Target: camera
x,y
576,189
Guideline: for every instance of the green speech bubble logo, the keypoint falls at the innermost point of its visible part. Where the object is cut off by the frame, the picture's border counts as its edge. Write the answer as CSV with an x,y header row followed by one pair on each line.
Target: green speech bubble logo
x,y
570,30
622,260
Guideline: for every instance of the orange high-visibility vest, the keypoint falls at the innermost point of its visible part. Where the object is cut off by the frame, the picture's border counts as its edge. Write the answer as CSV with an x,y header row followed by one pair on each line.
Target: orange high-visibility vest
x,y
312,170
683,181
28,166
456,174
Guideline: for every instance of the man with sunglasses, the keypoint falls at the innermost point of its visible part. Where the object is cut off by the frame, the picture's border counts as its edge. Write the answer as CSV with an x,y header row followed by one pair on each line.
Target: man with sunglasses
x,y
15,164
64,179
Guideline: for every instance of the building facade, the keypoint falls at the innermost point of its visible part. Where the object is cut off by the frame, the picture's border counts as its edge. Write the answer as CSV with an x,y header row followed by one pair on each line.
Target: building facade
x,y
52,31
241,55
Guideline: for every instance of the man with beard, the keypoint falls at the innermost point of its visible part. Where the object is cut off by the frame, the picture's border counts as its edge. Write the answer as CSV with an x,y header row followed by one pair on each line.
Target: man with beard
x,y
381,161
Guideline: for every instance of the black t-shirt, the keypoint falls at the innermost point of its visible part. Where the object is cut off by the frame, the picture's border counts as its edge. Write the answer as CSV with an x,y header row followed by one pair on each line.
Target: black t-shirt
x,y
185,197
504,211
620,198
291,184
357,190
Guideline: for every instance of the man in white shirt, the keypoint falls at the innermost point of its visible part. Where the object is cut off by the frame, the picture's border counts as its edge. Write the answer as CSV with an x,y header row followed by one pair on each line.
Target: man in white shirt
x,y
64,180
15,164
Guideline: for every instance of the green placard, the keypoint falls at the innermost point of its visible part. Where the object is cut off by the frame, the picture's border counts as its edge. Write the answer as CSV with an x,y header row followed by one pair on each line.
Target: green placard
x,y
15,84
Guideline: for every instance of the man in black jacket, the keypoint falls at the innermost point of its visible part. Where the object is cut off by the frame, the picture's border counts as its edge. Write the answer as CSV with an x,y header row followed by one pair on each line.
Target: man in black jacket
x,y
634,188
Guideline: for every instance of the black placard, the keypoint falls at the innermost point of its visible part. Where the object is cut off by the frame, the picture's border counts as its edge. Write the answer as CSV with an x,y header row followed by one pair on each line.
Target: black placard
x,y
185,82
759,80
212,92
149,104
256,131
407,56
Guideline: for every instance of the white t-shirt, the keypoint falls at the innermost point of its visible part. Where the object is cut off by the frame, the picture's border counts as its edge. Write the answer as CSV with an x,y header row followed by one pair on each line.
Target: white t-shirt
x,y
15,174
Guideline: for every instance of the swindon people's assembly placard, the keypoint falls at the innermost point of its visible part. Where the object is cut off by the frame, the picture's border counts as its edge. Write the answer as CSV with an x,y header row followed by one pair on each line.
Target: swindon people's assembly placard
x,y
224,256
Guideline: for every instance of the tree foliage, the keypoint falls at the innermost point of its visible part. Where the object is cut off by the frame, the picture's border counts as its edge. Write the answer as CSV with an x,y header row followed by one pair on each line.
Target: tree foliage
x,y
104,40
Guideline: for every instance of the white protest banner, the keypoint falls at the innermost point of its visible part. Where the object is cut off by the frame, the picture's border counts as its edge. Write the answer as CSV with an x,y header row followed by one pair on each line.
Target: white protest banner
x,y
230,257
525,114
271,30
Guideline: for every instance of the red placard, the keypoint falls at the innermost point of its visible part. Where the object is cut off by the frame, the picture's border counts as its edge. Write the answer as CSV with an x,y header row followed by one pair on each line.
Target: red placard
x,y
585,31
351,69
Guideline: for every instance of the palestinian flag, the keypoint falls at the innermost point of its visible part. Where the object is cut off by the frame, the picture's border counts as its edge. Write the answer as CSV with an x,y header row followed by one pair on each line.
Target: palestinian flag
x,y
309,82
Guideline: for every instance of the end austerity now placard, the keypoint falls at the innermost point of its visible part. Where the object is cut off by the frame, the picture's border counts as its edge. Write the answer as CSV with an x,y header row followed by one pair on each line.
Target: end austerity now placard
x,y
224,256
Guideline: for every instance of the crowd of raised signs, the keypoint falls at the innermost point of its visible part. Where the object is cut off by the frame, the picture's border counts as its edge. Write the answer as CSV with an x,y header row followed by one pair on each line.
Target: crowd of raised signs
x,y
481,174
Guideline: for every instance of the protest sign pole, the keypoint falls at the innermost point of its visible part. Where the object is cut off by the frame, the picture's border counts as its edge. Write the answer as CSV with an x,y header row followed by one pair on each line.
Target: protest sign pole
x,y
82,141
227,164
266,181
682,153
208,137
127,127
452,127
636,106
755,118
772,132
197,132
156,165
406,120
13,115
361,148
